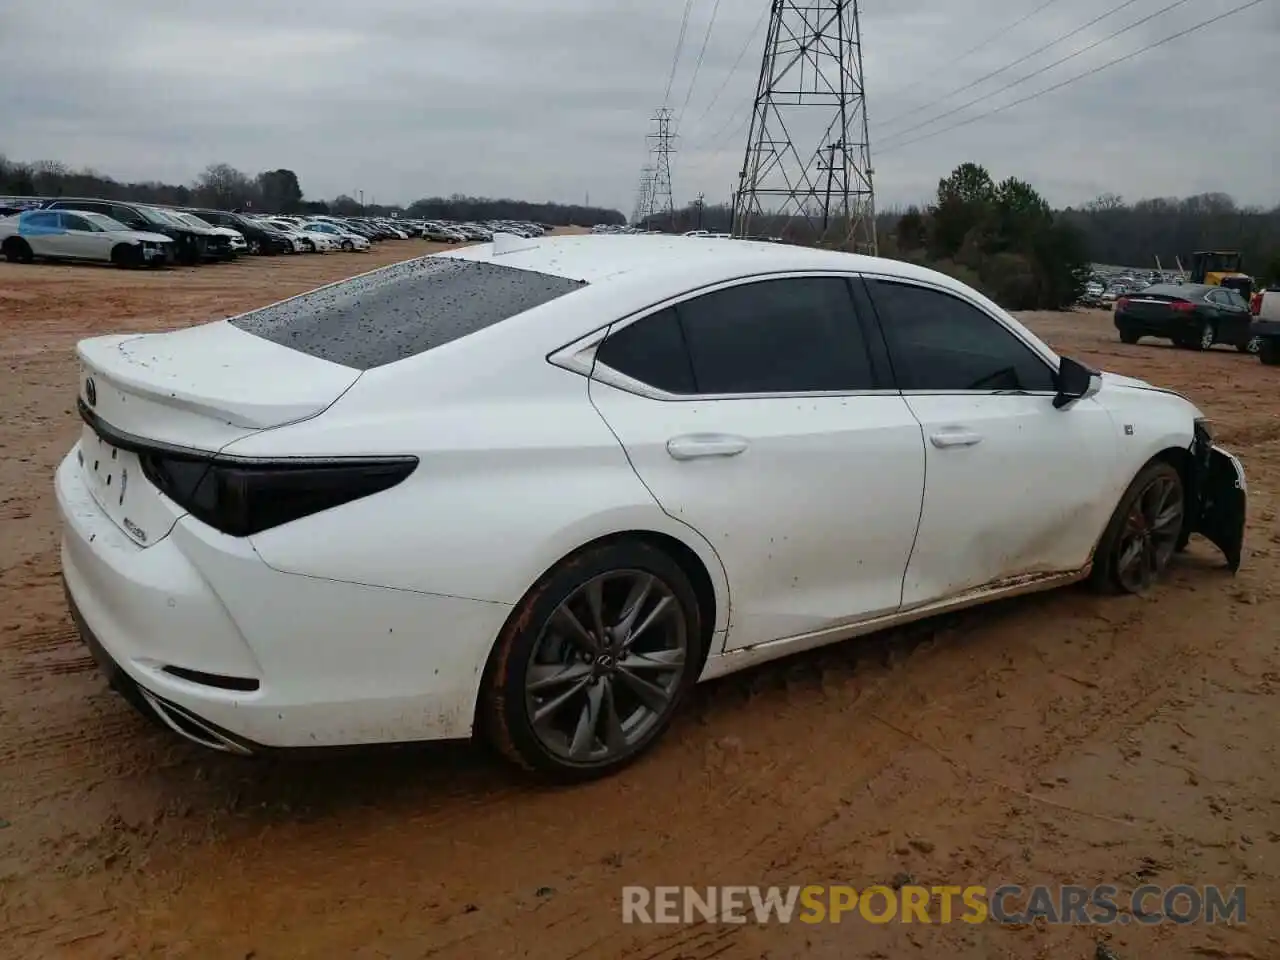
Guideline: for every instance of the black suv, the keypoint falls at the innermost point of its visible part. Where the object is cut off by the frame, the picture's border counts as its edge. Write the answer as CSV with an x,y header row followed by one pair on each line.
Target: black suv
x,y
192,243
258,237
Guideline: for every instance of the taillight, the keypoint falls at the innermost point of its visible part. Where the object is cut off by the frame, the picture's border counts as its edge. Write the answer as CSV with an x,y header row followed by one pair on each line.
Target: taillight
x,y
244,497
1122,303
1255,304
1182,306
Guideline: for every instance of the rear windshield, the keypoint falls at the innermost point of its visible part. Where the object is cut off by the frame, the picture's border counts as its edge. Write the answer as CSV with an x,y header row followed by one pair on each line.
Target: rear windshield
x,y
402,310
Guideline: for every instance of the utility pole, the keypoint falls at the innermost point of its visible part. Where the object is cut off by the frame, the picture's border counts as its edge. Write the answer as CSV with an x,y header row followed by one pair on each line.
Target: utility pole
x,y
811,82
831,172
698,206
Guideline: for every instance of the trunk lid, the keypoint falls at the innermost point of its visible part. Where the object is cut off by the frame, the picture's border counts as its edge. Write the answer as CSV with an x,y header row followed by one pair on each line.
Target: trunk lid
x,y
1151,306
198,389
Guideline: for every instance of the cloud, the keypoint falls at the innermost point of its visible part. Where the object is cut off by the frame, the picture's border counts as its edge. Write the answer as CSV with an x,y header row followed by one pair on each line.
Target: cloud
x,y
553,99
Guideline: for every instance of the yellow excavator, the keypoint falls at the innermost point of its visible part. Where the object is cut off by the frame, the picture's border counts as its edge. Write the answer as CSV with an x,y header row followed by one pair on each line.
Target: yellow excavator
x,y
1218,268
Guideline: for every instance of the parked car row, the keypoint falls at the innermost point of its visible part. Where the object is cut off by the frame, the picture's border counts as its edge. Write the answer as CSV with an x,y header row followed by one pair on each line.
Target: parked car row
x,y
131,234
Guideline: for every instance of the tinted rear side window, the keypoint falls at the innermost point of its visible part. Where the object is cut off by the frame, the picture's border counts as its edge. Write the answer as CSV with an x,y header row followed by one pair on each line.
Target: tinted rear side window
x,y
652,351
403,310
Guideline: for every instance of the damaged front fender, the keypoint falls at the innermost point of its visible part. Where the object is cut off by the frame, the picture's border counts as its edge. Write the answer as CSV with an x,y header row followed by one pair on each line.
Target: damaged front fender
x,y
1216,497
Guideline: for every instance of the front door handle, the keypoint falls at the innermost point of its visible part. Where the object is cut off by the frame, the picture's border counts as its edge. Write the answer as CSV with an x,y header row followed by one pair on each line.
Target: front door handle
x,y
695,445
955,438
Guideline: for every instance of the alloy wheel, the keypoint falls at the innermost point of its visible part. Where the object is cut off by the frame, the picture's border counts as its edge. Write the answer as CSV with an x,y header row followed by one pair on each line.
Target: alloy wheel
x,y
1254,345
1150,534
607,667
1206,337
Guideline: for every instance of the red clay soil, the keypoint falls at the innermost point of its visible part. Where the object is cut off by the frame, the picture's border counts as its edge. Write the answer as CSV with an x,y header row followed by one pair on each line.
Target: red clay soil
x,y
1062,738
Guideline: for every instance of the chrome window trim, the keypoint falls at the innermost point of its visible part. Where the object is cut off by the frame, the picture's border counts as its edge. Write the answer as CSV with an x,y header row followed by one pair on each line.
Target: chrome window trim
x,y
579,356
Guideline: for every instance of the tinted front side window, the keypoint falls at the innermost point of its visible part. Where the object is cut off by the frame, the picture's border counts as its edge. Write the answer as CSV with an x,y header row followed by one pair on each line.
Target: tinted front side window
x,y
776,336
652,351
939,342
71,222
402,310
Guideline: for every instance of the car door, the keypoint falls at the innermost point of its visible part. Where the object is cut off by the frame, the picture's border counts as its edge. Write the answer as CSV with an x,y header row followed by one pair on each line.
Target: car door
x,y
83,240
754,414
1011,482
1233,317
43,232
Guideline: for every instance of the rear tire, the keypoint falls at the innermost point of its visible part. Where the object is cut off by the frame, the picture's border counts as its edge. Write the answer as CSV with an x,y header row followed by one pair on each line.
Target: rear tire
x,y
1269,351
17,250
1129,336
565,694
1143,533
1208,335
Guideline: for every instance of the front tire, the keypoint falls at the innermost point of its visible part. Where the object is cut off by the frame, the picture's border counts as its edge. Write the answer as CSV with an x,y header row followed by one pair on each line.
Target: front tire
x,y
593,663
348,246
126,256
1252,345
1143,533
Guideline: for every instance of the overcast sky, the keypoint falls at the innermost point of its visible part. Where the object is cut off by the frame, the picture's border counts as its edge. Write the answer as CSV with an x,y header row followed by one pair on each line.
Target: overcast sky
x,y
550,99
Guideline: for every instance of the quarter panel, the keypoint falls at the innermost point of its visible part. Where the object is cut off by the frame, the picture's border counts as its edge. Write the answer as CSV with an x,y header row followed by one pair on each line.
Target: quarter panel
x,y
506,487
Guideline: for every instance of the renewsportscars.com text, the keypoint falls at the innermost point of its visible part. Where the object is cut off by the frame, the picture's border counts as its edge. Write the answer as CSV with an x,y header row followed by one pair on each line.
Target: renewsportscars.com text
x,y
1006,904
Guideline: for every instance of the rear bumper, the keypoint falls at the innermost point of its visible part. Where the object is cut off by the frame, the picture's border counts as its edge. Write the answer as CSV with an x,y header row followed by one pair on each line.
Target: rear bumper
x,y
332,663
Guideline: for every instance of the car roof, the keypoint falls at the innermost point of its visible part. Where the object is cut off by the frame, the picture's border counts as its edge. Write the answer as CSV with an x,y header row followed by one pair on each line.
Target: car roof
x,y
594,258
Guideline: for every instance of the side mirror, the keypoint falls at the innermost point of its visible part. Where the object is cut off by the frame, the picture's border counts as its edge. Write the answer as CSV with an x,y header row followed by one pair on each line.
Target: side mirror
x,y
1075,381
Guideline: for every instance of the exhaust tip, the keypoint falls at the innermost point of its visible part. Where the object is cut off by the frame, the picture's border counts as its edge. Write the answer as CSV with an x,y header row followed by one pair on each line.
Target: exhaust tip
x,y
190,727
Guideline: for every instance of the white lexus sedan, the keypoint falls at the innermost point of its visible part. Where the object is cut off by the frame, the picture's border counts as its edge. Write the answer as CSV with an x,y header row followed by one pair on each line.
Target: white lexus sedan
x,y
535,489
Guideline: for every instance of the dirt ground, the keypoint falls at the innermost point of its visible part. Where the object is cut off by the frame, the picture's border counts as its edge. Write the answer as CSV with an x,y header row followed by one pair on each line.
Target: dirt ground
x,y
1057,739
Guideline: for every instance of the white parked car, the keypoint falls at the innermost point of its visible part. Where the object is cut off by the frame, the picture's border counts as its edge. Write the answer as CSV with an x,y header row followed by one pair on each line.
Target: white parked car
x,y
303,242
80,235
537,489
345,239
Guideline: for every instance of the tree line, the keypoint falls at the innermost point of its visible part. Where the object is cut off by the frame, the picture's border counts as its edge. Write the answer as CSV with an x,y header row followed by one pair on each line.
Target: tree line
x,y
222,186
1171,229
1005,240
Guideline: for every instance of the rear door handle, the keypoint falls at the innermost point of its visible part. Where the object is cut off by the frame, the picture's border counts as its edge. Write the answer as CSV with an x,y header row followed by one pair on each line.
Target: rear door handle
x,y
955,438
695,445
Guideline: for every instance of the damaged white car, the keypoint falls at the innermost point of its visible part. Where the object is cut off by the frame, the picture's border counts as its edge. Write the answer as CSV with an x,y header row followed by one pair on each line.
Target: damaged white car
x,y
536,489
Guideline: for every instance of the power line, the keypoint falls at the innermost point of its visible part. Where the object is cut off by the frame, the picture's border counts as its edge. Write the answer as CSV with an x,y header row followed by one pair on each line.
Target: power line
x,y
1080,76
1009,66
736,63
989,40
1036,73
675,61
706,38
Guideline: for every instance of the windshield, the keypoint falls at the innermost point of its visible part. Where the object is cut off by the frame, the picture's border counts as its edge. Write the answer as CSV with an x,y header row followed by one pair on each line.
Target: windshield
x,y
103,221
158,217
192,219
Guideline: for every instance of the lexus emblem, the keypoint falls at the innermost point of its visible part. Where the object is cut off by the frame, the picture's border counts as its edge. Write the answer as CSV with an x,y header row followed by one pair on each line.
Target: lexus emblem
x,y
91,392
